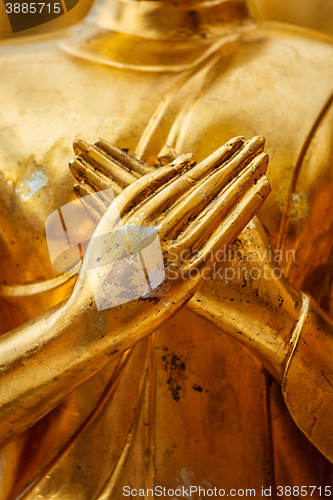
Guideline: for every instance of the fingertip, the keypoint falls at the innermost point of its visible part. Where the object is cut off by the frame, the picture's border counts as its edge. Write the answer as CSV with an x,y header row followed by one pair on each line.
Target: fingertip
x,y
77,190
80,146
72,168
257,143
236,142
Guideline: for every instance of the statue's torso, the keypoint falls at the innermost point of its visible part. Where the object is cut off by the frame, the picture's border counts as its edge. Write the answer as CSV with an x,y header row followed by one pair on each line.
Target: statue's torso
x,y
206,427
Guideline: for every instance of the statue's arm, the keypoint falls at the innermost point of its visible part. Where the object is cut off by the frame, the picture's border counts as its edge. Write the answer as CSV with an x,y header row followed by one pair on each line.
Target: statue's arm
x,y
286,329
266,314
308,380
45,359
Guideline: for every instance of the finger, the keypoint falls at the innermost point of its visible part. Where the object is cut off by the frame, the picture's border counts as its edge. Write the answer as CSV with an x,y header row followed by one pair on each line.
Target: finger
x,y
188,196
231,158
129,202
232,225
99,161
83,189
128,162
95,184
91,200
93,188
209,218
220,156
83,172
124,159
120,157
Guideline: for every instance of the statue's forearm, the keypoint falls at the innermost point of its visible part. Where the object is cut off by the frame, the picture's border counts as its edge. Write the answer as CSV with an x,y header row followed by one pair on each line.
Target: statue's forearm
x,y
248,297
295,346
45,359
264,323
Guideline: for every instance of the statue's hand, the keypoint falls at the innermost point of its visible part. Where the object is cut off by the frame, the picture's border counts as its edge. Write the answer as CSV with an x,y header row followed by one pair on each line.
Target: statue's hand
x,y
195,209
245,295
248,297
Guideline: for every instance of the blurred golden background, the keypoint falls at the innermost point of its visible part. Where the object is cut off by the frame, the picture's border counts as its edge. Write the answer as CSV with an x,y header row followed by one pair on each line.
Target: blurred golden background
x,y
314,14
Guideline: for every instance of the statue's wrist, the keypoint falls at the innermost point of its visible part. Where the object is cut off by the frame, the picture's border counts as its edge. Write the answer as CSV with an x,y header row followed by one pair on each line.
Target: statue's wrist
x,y
263,322
278,334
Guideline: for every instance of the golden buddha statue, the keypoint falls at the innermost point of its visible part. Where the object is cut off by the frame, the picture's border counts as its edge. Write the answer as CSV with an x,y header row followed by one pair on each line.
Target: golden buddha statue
x,y
186,391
